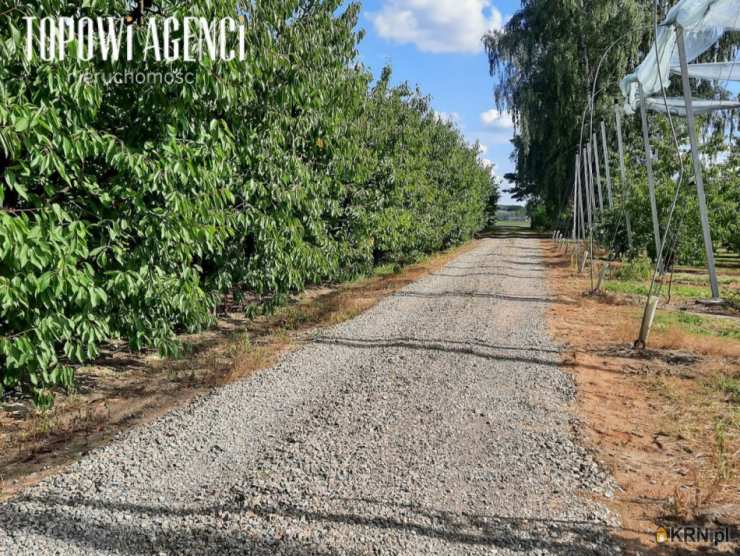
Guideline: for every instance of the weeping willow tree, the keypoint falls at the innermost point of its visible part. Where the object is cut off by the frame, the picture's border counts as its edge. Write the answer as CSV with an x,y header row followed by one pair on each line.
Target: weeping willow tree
x,y
547,61
544,61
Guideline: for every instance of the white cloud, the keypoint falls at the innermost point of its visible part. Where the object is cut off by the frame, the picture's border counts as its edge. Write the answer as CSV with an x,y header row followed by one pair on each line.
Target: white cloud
x,y
483,149
497,120
449,117
438,26
486,163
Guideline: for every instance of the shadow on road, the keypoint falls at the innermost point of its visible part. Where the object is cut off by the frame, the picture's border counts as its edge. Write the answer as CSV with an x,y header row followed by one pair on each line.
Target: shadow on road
x,y
488,274
512,232
197,535
476,349
501,296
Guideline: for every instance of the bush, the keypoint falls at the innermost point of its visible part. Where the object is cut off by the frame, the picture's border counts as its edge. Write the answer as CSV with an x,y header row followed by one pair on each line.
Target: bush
x,y
130,211
638,269
537,212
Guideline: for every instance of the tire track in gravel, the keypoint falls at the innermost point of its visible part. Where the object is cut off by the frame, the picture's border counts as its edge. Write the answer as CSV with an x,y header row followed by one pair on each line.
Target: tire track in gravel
x,y
434,423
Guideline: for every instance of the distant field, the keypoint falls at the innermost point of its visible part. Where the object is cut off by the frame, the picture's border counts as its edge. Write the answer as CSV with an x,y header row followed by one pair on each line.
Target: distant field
x,y
513,216
512,224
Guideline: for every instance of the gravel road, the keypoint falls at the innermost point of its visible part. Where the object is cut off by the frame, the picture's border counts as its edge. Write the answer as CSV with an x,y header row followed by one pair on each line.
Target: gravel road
x,y
435,423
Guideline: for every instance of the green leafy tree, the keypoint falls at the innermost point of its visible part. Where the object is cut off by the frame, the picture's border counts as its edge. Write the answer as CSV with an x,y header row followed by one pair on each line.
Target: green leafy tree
x,y
134,211
548,59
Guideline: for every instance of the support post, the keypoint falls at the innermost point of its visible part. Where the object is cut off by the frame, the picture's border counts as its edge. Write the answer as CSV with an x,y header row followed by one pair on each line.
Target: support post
x,y
590,179
581,217
650,177
602,275
591,215
623,175
606,166
587,187
597,165
647,321
714,284
575,201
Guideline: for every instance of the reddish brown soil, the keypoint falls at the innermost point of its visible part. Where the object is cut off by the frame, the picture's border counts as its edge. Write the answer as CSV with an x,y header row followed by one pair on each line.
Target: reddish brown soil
x,y
651,417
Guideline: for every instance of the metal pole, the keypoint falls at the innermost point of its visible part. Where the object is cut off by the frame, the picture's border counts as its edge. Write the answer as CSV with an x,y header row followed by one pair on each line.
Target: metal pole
x,y
590,179
697,164
597,164
650,177
622,175
606,165
581,217
592,221
591,216
577,213
575,201
586,184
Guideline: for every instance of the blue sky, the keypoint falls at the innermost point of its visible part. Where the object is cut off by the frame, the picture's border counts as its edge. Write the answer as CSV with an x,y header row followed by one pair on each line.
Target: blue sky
x,y
436,44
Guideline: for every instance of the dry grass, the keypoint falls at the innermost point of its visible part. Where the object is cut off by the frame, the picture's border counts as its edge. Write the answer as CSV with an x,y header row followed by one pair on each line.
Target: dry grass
x,y
676,338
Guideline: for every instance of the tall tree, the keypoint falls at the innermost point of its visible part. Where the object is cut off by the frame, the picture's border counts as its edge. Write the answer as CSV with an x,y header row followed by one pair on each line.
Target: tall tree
x,y
544,61
548,60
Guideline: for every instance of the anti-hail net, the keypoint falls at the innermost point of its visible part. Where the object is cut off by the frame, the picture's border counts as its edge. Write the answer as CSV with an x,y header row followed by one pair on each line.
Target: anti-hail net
x,y
703,22
676,105
718,71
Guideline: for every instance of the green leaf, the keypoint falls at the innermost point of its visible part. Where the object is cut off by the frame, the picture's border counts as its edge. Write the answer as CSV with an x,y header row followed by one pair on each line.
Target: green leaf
x,y
21,190
21,124
43,282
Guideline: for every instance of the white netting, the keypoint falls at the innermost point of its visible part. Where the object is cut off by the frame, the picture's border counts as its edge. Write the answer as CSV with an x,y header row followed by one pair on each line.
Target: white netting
x,y
724,13
703,21
719,71
678,107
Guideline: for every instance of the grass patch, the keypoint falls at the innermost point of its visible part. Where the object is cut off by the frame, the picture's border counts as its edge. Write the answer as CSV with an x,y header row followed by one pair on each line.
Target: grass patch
x,y
626,287
386,269
513,224
678,291
699,325
730,386
639,269
721,457
702,279
687,283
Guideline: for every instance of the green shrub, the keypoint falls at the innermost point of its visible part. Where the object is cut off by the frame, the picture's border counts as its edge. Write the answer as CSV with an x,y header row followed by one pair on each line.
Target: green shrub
x,y
638,269
130,211
537,212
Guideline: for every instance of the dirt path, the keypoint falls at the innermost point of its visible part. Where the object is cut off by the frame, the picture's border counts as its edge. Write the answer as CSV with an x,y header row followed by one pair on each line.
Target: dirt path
x,y
434,423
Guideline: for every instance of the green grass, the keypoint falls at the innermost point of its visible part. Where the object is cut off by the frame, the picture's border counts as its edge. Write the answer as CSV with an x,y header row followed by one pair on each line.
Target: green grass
x,y
700,325
730,386
385,269
512,224
641,288
678,291
689,283
727,258
686,278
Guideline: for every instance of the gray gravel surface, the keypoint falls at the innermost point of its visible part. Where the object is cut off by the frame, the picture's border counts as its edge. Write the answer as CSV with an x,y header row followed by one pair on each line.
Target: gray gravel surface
x,y
435,423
